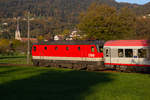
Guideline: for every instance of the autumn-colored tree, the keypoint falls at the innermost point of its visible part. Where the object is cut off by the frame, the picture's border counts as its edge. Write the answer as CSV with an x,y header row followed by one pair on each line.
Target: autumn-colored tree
x,y
40,38
4,46
48,36
106,23
143,28
65,33
17,46
127,24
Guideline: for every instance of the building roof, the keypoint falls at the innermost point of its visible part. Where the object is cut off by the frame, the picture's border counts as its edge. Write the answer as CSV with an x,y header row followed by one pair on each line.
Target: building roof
x,y
128,43
33,40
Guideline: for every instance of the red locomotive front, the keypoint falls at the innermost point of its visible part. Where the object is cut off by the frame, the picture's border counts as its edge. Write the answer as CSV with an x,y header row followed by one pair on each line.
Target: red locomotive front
x,y
74,54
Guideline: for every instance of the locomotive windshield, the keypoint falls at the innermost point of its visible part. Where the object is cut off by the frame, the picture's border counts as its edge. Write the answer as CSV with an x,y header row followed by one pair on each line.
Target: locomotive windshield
x,y
92,49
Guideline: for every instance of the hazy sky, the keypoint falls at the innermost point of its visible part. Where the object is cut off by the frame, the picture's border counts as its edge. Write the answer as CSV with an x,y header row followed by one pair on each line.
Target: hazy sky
x,y
134,1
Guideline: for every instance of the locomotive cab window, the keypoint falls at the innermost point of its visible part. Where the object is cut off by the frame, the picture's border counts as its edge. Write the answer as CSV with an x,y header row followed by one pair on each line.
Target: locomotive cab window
x,y
92,49
34,48
142,53
120,52
128,52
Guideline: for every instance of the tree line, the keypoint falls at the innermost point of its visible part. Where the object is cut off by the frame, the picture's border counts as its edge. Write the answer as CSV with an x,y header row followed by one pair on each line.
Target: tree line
x,y
98,22
107,23
52,16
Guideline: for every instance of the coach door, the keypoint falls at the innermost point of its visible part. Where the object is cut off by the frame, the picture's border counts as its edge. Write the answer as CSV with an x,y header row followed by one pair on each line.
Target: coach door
x,y
107,54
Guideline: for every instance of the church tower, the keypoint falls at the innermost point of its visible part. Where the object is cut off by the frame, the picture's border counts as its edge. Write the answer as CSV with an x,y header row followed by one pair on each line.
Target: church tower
x,y
17,33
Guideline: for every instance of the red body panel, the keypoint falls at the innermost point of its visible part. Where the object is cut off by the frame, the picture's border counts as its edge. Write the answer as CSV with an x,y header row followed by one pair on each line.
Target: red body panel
x,y
139,65
73,51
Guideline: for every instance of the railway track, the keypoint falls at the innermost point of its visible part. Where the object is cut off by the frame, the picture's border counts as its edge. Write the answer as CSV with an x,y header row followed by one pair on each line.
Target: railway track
x,y
29,65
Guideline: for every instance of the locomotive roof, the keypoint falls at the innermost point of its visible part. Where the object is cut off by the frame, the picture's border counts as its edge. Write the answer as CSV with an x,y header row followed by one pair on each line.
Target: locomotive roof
x,y
128,43
76,42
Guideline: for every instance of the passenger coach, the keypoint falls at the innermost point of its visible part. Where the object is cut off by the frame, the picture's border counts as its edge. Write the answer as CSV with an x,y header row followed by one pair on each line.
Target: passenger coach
x,y
127,55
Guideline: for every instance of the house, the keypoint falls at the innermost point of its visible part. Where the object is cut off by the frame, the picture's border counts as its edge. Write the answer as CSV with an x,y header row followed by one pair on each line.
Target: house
x,y
73,35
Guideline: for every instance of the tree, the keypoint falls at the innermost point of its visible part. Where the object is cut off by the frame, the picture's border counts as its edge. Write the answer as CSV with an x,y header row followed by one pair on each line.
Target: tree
x,y
143,28
40,38
16,45
65,33
105,23
127,23
4,46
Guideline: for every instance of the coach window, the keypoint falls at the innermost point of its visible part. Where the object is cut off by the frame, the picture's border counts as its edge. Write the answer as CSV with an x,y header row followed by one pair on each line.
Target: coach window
x,y
128,52
67,48
120,52
79,48
45,48
56,48
34,48
92,49
142,53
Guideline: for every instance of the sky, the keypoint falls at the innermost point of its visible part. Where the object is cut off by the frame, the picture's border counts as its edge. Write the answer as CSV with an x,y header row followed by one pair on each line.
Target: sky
x,y
141,2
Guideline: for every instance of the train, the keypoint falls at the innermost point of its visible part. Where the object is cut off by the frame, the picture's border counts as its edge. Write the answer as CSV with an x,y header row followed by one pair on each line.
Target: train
x,y
119,55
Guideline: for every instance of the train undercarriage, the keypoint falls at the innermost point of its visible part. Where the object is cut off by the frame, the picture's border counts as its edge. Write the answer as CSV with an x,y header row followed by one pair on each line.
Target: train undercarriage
x,y
90,66
78,65
120,68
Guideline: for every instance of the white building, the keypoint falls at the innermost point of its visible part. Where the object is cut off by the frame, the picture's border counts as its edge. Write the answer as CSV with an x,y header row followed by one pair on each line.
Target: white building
x,y
56,37
73,35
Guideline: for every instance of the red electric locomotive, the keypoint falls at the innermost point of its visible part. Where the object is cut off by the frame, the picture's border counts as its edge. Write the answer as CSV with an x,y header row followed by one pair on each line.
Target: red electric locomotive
x,y
72,54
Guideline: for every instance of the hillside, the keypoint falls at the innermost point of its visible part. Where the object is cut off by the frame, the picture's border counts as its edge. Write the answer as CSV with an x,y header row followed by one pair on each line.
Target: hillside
x,y
61,8
61,14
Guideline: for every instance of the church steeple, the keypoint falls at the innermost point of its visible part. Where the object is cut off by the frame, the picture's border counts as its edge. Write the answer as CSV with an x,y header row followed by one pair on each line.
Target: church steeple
x,y
17,33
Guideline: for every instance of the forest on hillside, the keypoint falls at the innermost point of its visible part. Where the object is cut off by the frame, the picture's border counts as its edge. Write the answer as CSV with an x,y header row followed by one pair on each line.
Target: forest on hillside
x,y
59,8
51,16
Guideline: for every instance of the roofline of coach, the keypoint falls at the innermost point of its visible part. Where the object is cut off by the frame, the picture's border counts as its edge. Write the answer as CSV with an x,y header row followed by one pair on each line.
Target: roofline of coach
x,y
127,43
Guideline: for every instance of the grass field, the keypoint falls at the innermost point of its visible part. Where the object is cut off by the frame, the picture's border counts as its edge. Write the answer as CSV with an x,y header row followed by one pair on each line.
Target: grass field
x,y
39,83
21,59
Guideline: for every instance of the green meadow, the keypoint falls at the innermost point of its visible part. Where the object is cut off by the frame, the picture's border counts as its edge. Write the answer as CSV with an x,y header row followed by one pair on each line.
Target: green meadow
x,y
16,59
41,83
